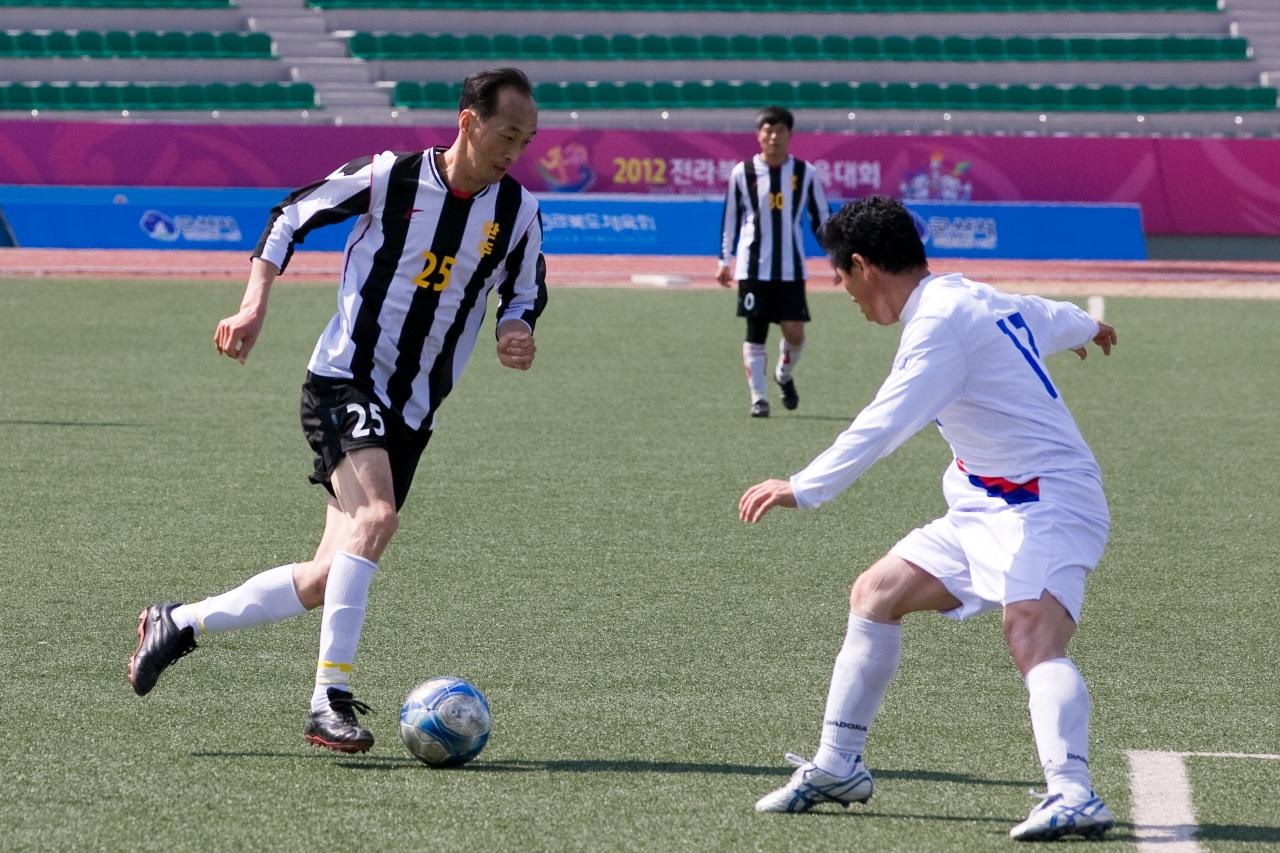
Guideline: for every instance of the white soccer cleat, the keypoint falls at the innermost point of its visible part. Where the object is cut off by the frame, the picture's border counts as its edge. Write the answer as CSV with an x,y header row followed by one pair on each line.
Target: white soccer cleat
x,y
1054,818
811,785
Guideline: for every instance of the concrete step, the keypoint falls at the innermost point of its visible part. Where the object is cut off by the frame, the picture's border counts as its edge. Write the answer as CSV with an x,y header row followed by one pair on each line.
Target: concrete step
x,y
307,22
301,46
319,70
336,97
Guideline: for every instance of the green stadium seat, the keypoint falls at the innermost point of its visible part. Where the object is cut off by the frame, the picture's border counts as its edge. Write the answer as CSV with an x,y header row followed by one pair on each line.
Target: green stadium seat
x,y
441,46
1159,99
652,47
867,95
958,49
753,94
743,46
1082,49
714,47
76,97
579,95
866,49
550,96
436,94
7,46
812,94
926,48
988,96
1233,49
363,45
899,96
189,96
29,44
1113,98
665,94
836,48
595,47
162,97
534,46
1083,99
898,49
840,95
1051,49
506,46
203,45
303,96
60,44
1020,49
1114,49
147,44
624,46
106,97
684,47
1262,98
805,48
20,97
406,93
256,44
774,47
565,47
989,49
721,94
217,95
477,46
931,96
229,43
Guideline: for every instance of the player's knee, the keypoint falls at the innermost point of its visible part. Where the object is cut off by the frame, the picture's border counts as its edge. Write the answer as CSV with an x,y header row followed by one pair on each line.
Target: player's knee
x,y
376,523
309,580
872,595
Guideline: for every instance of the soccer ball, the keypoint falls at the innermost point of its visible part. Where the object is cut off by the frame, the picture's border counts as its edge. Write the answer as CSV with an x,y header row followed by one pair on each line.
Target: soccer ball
x,y
445,722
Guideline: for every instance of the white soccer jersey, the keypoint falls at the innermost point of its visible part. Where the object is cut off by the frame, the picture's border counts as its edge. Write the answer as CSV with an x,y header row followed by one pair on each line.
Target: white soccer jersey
x,y
764,210
971,358
419,265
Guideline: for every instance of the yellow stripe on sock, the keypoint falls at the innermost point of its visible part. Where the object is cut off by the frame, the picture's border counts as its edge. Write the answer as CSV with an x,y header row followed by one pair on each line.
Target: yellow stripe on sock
x,y
199,614
332,672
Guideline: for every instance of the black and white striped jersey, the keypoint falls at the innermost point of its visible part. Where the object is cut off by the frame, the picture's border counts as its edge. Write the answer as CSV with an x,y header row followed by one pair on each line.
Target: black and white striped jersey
x,y
418,268
763,212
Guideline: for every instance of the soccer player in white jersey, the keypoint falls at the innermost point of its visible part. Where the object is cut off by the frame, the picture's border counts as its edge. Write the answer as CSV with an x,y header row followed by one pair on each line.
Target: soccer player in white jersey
x,y
435,232
1026,519
768,198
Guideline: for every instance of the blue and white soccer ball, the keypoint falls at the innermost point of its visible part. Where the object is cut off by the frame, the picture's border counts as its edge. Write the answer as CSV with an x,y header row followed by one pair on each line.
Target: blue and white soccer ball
x,y
445,722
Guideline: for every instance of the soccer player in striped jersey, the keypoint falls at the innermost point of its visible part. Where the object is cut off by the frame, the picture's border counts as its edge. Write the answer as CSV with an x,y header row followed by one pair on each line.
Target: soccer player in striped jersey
x,y
769,197
1026,523
435,231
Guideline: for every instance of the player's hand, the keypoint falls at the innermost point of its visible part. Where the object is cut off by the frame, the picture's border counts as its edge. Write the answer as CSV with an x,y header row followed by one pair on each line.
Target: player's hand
x,y
724,276
1105,339
237,334
762,497
516,349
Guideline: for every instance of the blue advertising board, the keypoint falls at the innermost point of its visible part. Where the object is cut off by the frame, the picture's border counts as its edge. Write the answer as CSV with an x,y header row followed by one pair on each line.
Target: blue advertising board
x,y
232,219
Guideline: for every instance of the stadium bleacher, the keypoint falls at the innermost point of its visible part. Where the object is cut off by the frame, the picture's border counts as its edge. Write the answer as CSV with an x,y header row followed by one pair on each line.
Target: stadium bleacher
x,y
1180,66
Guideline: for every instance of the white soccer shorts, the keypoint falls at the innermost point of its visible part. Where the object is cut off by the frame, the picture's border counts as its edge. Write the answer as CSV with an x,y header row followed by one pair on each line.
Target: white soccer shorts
x,y
988,552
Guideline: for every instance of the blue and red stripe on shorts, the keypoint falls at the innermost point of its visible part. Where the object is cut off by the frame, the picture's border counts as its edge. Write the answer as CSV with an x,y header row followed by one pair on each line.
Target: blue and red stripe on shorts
x,y
1007,490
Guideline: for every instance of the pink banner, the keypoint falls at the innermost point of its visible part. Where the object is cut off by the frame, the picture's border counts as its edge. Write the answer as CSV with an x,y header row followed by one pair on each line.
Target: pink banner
x,y
1185,186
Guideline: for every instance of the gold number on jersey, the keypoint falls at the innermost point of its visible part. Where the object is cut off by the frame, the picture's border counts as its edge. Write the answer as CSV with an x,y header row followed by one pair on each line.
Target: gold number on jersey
x,y
775,201
441,275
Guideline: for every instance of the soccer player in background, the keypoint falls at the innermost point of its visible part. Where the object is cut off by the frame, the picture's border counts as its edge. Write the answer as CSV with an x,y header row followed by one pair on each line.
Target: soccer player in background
x,y
435,232
1026,519
768,197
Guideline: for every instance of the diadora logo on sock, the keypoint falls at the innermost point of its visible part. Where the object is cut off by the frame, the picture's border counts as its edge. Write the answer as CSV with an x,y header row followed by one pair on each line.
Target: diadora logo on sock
x,y
841,724
1071,756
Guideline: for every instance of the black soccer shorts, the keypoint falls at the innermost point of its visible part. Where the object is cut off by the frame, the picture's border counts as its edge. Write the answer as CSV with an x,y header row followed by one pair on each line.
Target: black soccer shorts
x,y
772,301
339,415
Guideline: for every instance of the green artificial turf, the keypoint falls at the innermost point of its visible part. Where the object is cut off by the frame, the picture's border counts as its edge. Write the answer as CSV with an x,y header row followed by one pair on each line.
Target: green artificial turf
x,y
571,546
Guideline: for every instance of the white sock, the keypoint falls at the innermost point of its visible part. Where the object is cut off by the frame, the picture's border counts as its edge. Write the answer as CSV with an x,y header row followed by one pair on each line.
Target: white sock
x,y
1059,703
787,358
864,667
757,364
266,597
345,595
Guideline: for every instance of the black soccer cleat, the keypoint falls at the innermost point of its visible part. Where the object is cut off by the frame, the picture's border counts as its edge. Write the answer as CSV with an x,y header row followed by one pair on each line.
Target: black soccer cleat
x,y
336,727
790,399
760,409
160,643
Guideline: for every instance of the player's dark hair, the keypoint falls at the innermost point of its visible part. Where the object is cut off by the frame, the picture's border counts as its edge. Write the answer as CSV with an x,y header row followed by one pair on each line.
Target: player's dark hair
x,y
880,229
480,91
775,115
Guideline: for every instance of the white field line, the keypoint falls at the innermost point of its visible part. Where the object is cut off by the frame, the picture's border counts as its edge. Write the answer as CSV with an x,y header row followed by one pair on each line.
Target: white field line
x,y
1164,820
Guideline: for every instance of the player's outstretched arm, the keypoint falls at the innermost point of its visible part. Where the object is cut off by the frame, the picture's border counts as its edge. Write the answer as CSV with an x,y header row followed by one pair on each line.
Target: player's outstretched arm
x,y
762,497
1105,339
516,348
237,334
